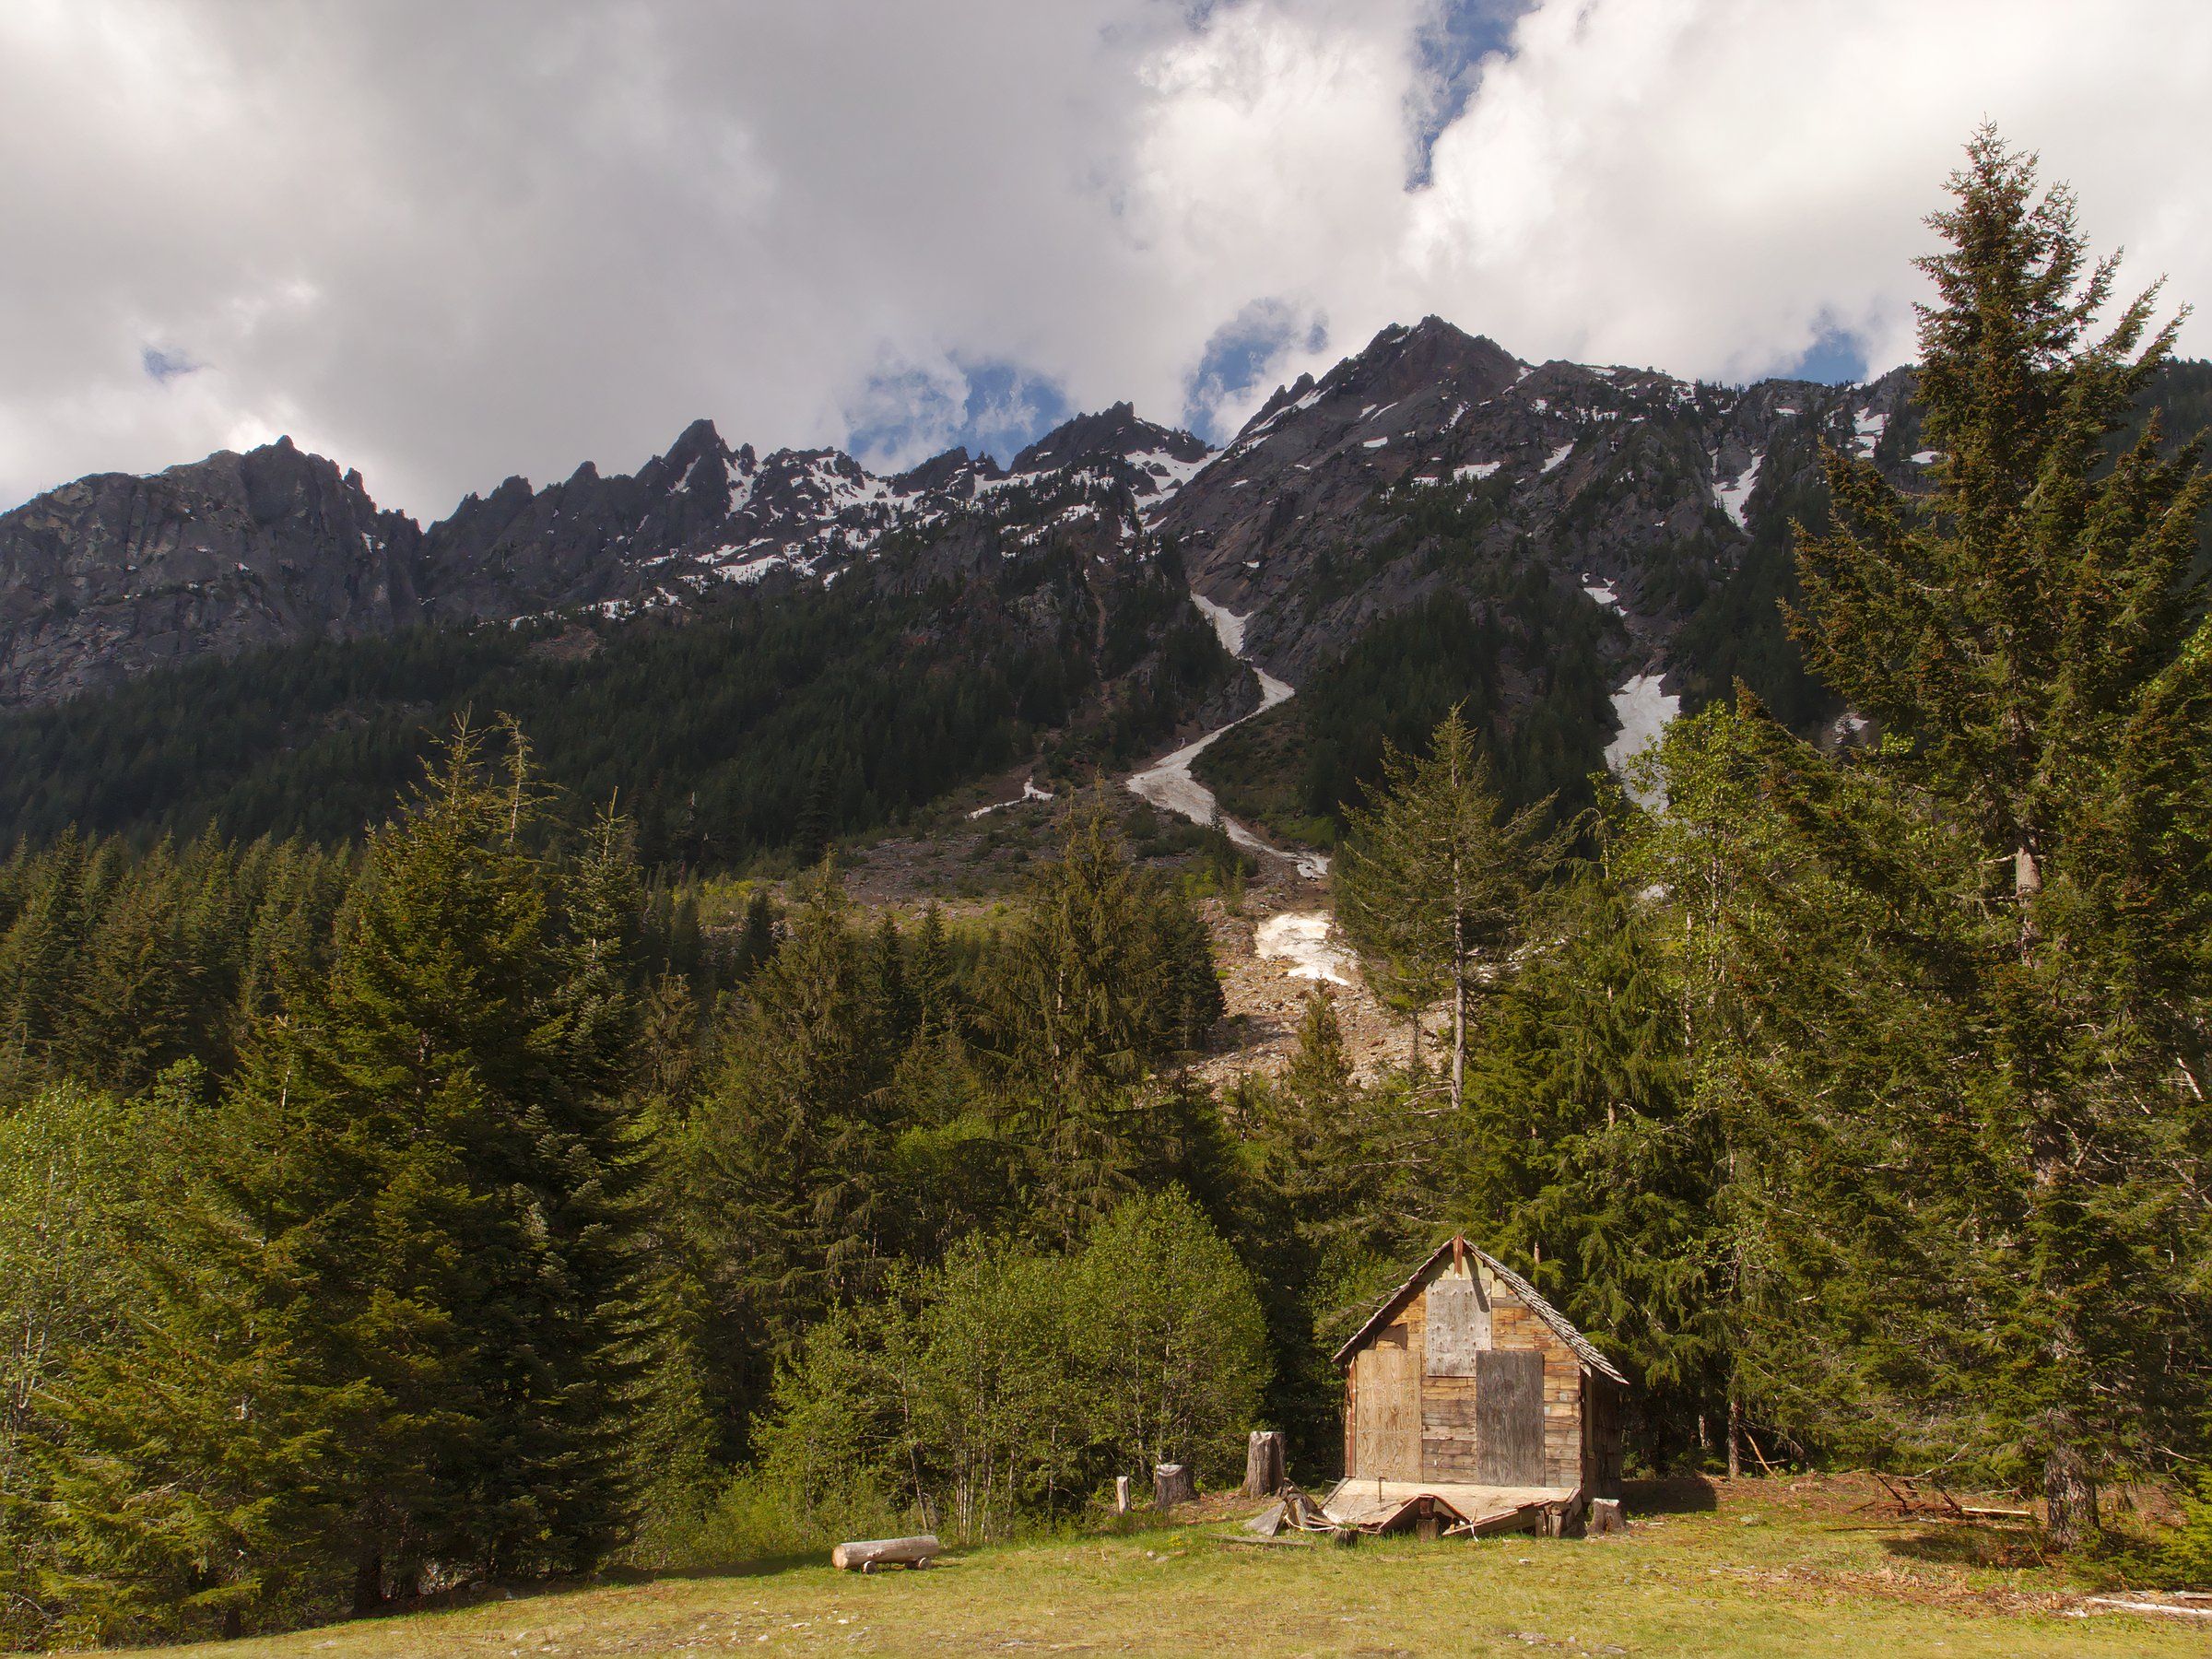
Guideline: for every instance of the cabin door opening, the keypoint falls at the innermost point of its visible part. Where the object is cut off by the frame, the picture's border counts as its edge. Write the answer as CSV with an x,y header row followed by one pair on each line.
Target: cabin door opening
x,y
1508,1417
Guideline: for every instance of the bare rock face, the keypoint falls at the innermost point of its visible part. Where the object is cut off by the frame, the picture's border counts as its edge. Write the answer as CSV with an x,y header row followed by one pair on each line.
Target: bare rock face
x,y
114,575
1433,452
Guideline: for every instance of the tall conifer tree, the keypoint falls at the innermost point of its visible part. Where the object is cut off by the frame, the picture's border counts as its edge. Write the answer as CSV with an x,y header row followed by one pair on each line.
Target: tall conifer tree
x,y
2029,640
1433,885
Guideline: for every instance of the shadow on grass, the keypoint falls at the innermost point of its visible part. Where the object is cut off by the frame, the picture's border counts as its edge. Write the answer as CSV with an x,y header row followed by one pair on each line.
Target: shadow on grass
x,y
553,1589
1967,1544
1673,1495
765,1566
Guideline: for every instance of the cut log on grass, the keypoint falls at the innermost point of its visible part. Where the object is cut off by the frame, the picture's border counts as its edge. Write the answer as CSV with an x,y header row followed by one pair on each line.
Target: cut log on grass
x,y
1262,1463
2118,1604
1606,1518
866,1555
1171,1485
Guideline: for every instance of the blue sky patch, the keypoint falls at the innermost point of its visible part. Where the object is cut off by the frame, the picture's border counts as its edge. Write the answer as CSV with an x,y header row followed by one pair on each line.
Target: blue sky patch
x,y
1240,355
1837,356
990,409
164,363
1449,53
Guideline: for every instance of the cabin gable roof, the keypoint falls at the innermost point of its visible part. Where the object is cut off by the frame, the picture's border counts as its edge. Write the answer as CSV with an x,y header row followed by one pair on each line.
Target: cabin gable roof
x,y
1558,1324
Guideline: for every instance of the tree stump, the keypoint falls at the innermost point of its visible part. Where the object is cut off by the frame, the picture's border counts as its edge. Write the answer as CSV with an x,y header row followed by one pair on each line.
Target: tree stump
x,y
1264,1463
1606,1517
1171,1485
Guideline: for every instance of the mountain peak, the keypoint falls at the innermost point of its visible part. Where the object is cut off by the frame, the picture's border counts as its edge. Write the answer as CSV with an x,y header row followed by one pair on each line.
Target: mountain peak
x,y
1117,432
946,472
698,438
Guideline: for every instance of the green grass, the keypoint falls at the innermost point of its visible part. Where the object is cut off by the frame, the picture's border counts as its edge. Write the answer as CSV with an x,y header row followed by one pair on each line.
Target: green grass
x,y
1766,1573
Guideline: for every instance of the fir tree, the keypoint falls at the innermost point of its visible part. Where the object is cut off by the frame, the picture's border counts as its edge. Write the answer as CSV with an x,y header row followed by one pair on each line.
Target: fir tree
x,y
784,1156
445,1202
2030,639
931,975
757,937
894,1011
1102,981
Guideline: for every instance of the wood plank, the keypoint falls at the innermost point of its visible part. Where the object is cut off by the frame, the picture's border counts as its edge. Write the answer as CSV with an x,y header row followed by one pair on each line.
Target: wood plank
x,y
1510,1416
1446,1412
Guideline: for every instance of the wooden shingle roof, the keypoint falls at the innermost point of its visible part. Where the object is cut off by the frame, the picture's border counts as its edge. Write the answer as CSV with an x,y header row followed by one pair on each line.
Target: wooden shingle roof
x,y
1561,1327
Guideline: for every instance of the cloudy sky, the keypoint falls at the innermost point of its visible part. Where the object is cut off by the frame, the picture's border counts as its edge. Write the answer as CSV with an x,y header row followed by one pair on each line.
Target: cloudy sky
x,y
445,240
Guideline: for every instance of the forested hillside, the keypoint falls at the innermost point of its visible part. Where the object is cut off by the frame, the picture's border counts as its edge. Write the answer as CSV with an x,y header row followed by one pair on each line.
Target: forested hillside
x,y
768,721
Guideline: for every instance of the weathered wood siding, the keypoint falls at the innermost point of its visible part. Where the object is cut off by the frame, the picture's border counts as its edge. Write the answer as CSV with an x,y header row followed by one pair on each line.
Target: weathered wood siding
x,y
1486,1314
1413,1400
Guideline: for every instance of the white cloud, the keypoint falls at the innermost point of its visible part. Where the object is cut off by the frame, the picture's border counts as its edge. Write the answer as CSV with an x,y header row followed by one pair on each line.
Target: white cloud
x,y
445,244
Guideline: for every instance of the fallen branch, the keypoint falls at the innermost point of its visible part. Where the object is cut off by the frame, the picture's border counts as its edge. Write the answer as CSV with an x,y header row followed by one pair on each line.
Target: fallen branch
x,y
2167,1608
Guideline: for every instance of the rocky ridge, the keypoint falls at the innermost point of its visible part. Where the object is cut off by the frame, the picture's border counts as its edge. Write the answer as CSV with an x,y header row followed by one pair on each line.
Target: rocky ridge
x,y
115,575
1640,488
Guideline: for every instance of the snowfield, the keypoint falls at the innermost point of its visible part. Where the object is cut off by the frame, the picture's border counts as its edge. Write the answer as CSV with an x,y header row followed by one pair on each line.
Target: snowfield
x,y
1643,710
1731,497
1168,782
1301,938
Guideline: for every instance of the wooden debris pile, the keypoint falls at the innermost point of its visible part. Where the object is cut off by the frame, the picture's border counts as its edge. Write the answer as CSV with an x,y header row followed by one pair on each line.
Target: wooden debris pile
x,y
1918,1498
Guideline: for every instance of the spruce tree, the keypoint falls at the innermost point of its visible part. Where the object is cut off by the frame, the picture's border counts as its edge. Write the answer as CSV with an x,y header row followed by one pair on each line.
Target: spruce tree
x,y
1189,997
1106,977
782,1167
757,937
1594,1161
933,978
894,1011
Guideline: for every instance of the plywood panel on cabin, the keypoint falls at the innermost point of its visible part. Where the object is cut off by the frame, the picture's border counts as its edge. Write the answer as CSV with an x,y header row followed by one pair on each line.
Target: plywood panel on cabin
x,y
1508,1417
1388,1388
1458,1327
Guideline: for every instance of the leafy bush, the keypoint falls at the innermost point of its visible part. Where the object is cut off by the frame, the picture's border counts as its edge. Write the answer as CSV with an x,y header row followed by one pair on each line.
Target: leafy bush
x,y
1010,1384
756,1518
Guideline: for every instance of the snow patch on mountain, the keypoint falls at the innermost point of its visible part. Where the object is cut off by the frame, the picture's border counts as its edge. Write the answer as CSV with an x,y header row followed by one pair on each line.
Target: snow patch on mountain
x,y
1301,938
1168,782
1643,710
1731,497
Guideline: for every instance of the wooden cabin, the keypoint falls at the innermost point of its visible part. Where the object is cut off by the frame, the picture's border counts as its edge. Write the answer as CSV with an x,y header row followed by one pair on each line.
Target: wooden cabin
x,y
1471,1404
